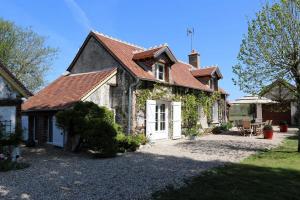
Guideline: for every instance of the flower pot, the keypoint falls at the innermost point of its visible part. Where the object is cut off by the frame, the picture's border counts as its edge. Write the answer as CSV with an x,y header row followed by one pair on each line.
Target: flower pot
x,y
268,134
283,128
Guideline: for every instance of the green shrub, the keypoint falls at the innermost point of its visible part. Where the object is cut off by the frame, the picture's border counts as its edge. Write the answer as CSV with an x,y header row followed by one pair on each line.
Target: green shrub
x,y
217,130
141,138
6,165
100,137
94,124
268,128
131,142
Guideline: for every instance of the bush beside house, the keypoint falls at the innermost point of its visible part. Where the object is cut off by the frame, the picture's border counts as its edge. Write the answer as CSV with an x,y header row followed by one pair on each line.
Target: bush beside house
x,y
8,144
93,127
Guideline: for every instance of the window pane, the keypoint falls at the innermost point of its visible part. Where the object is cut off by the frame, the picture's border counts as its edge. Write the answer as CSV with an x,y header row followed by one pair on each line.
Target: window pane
x,y
160,72
162,117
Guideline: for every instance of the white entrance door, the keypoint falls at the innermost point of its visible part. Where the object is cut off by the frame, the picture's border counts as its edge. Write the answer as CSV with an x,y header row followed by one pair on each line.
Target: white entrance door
x,y
157,120
58,135
176,117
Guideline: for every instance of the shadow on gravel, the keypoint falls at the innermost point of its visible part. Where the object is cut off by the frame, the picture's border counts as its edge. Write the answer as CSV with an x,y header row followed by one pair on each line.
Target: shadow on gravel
x,y
60,175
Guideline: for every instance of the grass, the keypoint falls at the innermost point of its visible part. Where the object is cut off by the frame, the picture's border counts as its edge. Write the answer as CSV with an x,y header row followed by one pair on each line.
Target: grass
x,y
6,165
274,174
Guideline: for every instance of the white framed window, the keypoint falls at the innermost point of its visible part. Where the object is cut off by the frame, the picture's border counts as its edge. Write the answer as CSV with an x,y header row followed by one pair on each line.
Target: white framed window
x,y
160,117
160,71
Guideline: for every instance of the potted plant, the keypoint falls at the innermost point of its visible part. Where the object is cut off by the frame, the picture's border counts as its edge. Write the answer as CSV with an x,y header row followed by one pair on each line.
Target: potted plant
x,y
268,132
283,126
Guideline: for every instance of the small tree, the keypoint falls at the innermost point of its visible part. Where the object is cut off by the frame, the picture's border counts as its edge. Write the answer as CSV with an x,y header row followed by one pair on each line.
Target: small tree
x,y
271,49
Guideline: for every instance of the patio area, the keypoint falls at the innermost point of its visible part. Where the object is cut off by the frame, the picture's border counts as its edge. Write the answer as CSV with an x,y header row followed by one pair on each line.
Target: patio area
x,y
55,174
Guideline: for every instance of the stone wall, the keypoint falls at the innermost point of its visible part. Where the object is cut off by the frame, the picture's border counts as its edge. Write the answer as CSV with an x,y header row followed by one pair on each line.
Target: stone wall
x,y
94,57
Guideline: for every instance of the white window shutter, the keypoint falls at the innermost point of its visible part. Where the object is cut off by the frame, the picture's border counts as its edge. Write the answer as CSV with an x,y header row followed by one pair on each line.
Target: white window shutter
x,y
150,118
176,107
215,112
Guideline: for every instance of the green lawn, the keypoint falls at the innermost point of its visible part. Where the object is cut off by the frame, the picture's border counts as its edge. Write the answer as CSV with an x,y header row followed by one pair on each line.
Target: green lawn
x,y
269,175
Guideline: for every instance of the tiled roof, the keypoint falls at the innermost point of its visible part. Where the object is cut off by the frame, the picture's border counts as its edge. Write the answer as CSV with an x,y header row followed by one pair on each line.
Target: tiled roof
x,y
182,76
66,90
21,88
124,52
146,54
204,71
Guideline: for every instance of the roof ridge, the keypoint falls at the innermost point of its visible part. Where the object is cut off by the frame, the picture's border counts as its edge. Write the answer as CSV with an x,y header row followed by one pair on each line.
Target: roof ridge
x,y
151,48
84,73
118,40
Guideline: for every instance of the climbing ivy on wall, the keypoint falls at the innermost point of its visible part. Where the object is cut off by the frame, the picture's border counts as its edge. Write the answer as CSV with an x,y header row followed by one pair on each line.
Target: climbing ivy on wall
x,y
191,101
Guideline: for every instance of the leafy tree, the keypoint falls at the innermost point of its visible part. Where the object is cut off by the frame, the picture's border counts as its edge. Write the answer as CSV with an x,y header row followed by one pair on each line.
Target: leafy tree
x,y
271,49
25,53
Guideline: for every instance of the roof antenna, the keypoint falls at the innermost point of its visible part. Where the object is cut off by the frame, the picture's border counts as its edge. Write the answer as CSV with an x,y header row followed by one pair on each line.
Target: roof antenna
x,y
190,32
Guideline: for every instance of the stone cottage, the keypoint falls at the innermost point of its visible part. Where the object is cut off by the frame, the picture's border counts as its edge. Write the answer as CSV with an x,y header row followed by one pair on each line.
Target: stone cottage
x,y
285,109
141,86
12,93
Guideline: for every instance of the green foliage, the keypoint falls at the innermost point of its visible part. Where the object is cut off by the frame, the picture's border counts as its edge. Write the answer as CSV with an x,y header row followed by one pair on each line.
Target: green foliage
x,y
76,120
222,128
7,165
268,128
94,124
11,139
190,103
258,177
190,114
141,138
270,50
100,137
130,142
25,53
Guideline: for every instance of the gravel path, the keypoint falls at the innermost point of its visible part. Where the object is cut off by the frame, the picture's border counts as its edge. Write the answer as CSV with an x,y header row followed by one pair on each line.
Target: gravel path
x,y
55,174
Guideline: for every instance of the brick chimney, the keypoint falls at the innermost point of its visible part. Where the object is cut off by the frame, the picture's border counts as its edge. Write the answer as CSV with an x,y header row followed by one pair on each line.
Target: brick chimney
x,y
194,59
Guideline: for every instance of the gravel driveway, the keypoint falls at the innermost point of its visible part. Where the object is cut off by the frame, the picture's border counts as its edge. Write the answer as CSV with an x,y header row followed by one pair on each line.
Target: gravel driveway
x,y
55,174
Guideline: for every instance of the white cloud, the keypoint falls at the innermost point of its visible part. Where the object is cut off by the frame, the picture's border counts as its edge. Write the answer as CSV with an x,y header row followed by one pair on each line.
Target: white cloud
x,y
79,14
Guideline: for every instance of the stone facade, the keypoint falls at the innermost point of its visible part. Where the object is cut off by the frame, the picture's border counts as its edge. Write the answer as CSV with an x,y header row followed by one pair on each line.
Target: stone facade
x,y
94,57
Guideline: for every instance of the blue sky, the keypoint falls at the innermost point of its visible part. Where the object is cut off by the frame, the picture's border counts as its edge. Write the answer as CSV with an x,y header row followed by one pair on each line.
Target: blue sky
x,y
219,26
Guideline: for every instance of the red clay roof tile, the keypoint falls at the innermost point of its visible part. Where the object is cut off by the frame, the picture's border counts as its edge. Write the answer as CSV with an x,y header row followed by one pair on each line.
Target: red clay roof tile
x,y
204,71
125,53
65,91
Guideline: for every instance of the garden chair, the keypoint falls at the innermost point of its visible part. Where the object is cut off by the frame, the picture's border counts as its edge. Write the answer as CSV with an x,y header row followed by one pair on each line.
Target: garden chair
x,y
259,129
246,129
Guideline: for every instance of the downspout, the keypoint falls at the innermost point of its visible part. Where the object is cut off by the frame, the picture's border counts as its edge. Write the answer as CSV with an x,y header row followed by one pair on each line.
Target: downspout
x,y
130,103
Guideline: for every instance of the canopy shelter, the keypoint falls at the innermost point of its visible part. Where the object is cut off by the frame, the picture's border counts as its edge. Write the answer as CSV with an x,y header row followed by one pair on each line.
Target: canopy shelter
x,y
257,101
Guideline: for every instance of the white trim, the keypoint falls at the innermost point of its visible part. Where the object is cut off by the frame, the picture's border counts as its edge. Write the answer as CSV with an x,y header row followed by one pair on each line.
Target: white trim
x,y
157,71
167,51
98,86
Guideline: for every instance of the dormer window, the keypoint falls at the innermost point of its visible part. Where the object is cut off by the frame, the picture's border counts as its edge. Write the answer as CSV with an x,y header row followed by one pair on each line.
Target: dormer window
x,y
160,71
